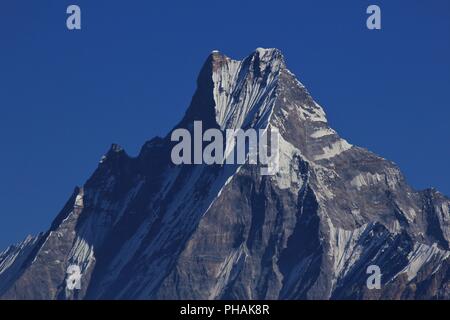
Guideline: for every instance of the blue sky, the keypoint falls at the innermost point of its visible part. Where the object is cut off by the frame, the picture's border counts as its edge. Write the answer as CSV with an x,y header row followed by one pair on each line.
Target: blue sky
x,y
129,75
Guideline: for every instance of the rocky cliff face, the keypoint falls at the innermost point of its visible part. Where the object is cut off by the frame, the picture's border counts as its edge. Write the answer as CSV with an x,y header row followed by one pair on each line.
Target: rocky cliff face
x,y
144,228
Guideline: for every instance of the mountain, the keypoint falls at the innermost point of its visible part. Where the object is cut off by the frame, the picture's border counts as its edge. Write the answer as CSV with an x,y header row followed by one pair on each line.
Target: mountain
x,y
145,228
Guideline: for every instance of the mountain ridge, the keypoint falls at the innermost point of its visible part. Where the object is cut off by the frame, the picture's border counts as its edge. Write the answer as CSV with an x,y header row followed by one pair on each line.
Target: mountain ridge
x,y
142,227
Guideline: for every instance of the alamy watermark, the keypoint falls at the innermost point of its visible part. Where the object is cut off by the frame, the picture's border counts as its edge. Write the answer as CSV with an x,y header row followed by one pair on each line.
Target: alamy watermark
x,y
73,280
73,21
252,146
374,280
374,20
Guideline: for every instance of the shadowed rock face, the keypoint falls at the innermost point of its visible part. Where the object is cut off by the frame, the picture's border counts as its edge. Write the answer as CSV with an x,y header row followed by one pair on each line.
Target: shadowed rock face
x,y
143,228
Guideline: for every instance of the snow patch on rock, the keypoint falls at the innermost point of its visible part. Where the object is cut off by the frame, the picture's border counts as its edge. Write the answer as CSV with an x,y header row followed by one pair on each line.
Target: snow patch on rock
x,y
333,150
422,255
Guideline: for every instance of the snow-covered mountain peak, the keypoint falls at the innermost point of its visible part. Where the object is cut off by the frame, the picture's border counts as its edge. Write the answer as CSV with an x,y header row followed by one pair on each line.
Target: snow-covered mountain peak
x,y
270,55
244,91
144,228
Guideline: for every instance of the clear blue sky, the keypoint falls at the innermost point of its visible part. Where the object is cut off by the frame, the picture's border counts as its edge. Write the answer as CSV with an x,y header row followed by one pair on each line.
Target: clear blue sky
x,y
129,75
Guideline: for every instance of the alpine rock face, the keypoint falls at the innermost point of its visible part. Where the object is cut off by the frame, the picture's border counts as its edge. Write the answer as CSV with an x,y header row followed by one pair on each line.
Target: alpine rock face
x,y
144,228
